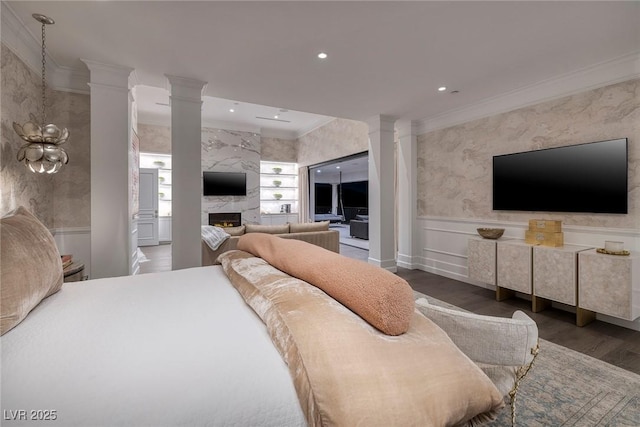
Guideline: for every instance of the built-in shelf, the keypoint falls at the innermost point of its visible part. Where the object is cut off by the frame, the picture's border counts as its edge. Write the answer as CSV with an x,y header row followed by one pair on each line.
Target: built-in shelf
x,y
288,180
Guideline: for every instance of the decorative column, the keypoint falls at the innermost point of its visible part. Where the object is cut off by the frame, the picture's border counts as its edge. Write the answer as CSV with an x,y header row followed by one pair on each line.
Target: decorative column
x,y
382,251
111,247
186,174
407,192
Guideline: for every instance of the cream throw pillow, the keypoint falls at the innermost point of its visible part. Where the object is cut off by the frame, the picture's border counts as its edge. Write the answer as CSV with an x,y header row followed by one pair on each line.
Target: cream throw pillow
x,y
31,266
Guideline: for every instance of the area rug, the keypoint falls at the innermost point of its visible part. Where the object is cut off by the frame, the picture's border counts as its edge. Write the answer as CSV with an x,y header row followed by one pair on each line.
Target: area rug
x,y
567,388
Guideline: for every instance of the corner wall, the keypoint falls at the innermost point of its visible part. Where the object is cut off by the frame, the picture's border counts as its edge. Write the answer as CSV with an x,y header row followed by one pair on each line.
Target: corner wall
x,y
455,173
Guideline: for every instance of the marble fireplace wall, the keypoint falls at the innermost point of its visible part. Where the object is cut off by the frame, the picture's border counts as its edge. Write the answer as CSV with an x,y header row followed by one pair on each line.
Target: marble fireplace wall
x,y
60,200
232,151
455,164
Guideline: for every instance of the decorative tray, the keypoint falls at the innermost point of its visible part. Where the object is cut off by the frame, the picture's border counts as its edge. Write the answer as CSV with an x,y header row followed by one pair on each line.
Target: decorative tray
x,y
604,251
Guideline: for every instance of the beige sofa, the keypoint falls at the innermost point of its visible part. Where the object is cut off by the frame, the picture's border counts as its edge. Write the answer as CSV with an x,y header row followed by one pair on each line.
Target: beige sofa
x,y
317,233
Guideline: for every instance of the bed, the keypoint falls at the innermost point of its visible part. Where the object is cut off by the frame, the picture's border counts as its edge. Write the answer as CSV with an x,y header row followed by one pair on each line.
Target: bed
x,y
167,349
284,333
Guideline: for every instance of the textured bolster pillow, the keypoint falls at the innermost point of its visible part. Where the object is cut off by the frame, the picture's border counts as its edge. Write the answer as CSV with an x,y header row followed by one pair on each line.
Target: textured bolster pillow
x,y
31,267
377,295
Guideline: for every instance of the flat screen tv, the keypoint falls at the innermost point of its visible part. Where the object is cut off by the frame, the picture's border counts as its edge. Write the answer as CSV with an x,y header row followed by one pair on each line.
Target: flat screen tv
x,y
588,177
224,183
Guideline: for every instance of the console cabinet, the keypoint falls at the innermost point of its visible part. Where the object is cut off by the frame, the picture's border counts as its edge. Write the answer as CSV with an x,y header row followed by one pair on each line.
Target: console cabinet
x,y
481,260
515,266
546,274
610,284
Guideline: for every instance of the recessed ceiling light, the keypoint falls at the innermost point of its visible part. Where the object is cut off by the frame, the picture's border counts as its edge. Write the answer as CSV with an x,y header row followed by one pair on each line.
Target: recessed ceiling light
x,y
318,171
231,110
442,88
337,167
275,117
322,55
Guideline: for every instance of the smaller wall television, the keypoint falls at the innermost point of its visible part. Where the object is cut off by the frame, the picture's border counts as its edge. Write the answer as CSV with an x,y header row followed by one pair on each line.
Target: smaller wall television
x,y
224,183
588,177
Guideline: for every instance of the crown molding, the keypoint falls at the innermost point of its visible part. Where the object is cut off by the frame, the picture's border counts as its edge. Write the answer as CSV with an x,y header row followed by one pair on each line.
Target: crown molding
x,y
23,43
317,125
605,73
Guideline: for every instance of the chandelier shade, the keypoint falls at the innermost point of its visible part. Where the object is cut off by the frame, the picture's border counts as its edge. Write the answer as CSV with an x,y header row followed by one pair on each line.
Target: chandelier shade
x,y
42,152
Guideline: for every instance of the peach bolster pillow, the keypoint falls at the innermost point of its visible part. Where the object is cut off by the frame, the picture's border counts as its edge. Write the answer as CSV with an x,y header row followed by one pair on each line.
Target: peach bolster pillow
x,y
378,296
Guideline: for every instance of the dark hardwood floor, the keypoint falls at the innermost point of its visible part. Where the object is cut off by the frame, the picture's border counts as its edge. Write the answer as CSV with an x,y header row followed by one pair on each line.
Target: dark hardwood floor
x,y
613,344
610,343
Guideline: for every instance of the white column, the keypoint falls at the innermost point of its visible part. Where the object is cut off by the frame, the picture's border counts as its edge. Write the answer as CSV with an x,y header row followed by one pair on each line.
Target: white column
x,y
407,193
186,174
334,199
381,193
110,150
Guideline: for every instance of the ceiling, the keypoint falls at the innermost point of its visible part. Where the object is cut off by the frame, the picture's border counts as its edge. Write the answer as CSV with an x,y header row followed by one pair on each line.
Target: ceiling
x,y
383,57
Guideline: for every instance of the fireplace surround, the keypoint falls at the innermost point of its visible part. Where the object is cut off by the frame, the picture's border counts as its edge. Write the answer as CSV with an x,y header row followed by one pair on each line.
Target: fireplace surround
x,y
225,219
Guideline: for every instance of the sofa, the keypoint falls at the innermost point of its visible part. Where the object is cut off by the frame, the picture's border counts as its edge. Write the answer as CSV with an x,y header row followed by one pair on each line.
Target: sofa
x,y
317,233
359,227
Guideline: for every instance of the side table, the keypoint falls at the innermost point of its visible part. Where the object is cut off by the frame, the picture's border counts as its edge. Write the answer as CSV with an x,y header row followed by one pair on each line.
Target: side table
x,y
74,272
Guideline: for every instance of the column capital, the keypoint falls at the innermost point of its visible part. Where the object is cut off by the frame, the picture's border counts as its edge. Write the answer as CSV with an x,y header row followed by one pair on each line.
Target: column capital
x,y
117,76
185,88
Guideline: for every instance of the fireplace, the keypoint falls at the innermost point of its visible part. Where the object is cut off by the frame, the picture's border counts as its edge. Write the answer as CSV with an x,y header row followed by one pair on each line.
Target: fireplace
x,y
225,219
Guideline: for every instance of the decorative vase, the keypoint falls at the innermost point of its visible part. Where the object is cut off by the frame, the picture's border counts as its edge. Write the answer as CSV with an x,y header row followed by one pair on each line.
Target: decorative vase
x,y
277,170
277,196
277,183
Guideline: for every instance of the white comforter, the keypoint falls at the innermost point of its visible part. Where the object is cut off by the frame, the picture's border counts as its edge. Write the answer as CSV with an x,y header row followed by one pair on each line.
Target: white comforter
x,y
178,348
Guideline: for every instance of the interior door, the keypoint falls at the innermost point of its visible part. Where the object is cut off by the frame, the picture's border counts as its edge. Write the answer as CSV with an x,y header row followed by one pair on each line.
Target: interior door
x,y
148,219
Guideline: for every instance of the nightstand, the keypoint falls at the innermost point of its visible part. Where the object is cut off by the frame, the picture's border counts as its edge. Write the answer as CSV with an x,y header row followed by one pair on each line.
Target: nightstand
x,y
74,272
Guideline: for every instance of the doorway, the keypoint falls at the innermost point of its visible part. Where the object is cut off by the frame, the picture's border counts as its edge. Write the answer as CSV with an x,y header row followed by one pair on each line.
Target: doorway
x,y
339,193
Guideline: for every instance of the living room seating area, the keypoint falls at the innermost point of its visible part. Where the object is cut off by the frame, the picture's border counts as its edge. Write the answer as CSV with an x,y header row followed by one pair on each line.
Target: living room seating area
x,y
359,227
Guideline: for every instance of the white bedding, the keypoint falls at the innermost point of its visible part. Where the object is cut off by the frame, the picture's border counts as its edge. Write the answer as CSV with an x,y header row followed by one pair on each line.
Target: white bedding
x,y
165,349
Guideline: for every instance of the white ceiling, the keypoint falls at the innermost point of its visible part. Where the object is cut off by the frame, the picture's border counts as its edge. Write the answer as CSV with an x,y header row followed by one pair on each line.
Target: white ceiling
x,y
384,57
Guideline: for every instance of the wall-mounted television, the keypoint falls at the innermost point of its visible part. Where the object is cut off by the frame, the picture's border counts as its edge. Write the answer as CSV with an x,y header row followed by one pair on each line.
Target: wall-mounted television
x,y
224,183
589,177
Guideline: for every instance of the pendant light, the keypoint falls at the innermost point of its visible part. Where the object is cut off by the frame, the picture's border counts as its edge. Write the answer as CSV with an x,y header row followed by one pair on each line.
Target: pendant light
x,y
42,152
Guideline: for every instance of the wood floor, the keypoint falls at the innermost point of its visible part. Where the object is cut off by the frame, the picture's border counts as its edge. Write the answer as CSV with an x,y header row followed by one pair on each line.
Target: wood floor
x,y
613,344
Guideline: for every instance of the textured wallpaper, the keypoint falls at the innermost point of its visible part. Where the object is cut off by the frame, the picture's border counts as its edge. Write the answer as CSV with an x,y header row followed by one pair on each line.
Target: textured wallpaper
x,y
72,184
455,164
279,150
232,151
338,138
154,139
60,200
21,95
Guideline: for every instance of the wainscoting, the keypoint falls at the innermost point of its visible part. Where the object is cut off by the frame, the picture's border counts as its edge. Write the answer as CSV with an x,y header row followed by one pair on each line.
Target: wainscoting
x,y
441,246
